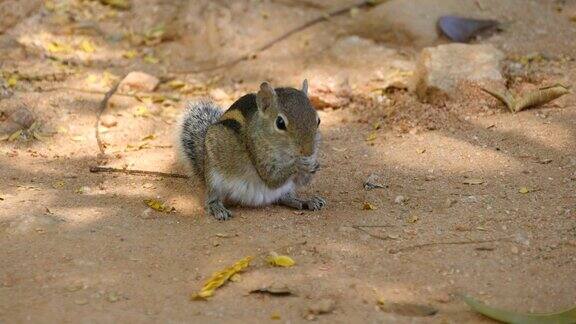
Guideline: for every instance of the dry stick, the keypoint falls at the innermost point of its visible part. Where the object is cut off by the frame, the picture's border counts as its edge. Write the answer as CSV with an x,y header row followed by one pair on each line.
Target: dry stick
x,y
360,228
245,57
136,96
103,105
99,169
417,246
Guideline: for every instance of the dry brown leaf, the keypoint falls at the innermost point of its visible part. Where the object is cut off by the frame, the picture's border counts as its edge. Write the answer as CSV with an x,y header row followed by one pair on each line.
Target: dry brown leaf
x,y
533,98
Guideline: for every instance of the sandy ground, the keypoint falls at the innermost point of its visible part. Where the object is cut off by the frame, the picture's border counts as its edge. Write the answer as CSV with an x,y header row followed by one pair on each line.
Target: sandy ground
x,y
83,247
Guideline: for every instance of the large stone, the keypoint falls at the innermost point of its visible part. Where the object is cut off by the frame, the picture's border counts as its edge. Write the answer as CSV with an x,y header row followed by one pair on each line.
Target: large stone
x,y
139,81
412,21
442,68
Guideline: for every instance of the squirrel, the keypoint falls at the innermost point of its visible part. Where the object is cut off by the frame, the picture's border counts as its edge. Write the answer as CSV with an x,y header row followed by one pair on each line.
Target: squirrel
x,y
258,152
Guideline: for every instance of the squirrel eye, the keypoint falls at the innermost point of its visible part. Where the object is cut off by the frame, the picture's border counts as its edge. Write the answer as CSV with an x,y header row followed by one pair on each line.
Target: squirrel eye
x,y
280,123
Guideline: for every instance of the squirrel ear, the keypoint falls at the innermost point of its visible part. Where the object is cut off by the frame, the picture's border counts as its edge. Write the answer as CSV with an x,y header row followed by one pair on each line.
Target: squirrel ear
x,y
305,86
266,97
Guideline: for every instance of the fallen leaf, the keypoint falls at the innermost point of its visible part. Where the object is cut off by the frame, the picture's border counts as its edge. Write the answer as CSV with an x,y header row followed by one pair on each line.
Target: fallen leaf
x,y
368,206
87,46
141,111
59,184
118,4
151,59
275,317
420,150
413,219
176,84
533,98
524,190
149,137
78,138
55,47
236,278
112,297
406,309
280,260
12,81
505,316
219,278
371,137
130,54
473,181
15,135
275,289
159,206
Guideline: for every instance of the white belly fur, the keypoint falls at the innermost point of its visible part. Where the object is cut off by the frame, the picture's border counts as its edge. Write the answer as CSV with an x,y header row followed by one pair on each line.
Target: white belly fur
x,y
253,192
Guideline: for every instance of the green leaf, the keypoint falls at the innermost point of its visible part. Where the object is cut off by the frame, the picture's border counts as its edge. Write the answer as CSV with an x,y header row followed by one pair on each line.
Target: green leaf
x,y
505,316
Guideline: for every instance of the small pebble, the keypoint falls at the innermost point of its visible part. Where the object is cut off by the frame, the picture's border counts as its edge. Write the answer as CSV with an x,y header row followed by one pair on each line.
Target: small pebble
x,y
400,199
108,121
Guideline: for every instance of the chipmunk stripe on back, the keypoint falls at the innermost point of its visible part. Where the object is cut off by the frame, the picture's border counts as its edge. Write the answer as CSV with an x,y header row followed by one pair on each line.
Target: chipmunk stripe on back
x,y
246,105
232,124
234,115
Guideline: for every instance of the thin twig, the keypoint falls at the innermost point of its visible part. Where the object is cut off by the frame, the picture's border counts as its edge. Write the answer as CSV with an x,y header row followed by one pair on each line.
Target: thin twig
x,y
99,169
96,92
245,57
103,105
360,228
418,246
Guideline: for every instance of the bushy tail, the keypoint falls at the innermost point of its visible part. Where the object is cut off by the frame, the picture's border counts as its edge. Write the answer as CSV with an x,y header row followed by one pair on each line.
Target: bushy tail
x,y
194,122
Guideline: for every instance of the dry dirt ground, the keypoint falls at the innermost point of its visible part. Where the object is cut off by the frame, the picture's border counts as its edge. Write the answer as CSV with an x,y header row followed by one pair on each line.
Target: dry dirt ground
x,y
77,246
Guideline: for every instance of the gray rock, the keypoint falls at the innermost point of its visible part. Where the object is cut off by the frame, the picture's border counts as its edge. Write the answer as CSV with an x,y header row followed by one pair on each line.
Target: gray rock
x,y
443,67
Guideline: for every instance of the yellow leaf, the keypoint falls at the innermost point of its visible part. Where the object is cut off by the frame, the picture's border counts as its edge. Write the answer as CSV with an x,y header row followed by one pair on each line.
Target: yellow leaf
x,y
15,135
371,137
141,111
118,4
151,59
368,206
12,81
219,278
280,260
155,32
59,184
157,205
413,219
55,47
130,54
236,278
523,190
176,84
149,137
275,317
87,46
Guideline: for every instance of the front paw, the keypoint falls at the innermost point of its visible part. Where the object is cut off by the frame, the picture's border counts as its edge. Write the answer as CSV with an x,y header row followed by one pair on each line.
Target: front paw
x,y
308,165
218,210
315,203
